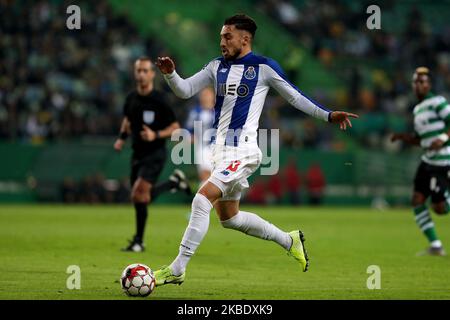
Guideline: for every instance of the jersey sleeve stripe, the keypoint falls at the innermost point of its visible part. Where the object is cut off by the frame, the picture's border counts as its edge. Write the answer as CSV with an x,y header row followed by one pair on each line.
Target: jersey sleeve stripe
x,y
441,106
444,112
431,134
423,109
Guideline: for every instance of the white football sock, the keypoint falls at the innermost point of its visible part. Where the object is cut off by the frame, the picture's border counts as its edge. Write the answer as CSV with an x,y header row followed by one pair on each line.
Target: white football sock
x,y
254,225
436,244
195,231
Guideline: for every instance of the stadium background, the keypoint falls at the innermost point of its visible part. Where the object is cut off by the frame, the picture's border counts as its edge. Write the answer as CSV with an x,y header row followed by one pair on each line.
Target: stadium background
x,y
61,99
62,92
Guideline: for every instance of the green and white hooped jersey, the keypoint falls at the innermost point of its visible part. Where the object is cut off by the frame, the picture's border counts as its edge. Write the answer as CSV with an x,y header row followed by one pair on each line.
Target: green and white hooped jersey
x,y
432,119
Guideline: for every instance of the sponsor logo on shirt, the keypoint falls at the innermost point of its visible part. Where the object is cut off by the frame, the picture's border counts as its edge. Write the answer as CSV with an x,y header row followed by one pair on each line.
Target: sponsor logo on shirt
x,y
232,89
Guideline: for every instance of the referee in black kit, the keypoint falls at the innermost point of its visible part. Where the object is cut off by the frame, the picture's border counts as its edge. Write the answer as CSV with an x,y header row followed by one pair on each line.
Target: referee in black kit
x,y
149,120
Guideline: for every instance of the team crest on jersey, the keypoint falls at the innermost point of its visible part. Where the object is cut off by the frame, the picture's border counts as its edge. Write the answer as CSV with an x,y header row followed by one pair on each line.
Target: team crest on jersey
x,y
250,73
149,116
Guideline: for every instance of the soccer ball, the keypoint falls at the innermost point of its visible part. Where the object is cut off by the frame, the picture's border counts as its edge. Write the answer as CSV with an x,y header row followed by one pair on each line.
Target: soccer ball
x,y
137,280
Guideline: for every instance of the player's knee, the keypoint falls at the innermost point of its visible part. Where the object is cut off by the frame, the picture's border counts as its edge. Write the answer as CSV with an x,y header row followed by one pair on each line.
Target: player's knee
x,y
201,205
228,224
440,208
210,192
233,221
203,193
204,175
140,195
418,200
226,210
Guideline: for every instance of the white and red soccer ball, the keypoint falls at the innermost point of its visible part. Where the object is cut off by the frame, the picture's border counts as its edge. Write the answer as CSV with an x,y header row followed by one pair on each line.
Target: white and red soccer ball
x,y
137,280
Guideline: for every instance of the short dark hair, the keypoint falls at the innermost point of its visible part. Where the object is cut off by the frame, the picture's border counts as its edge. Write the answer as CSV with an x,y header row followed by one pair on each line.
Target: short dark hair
x,y
144,58
242,22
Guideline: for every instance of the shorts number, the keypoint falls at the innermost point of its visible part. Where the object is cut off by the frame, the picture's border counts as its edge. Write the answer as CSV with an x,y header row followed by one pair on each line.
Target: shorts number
x,y
433,184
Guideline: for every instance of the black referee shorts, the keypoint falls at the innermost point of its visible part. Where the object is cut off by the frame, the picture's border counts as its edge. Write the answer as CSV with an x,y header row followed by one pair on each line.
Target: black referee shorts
x,y
148,167
432,181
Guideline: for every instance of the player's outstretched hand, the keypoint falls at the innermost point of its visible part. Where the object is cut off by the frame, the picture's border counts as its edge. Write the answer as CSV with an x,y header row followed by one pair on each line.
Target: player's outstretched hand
x,y
147,134
166,65
407,137
398,136
437,144
118,145
342,118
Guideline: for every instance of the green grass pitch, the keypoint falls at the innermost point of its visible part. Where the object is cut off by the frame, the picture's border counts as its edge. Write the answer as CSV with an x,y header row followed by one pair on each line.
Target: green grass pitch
x,y
38,243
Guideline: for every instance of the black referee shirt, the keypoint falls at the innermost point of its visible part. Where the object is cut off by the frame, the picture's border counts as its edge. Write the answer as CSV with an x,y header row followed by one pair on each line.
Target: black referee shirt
x,y
151,110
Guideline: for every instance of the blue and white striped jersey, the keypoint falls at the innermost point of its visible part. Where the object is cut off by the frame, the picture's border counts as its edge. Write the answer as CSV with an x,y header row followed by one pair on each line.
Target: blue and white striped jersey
x,y
431,121
241,88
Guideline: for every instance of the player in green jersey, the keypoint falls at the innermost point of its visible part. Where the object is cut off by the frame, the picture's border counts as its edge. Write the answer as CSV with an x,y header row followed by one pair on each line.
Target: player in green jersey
x,y
432,180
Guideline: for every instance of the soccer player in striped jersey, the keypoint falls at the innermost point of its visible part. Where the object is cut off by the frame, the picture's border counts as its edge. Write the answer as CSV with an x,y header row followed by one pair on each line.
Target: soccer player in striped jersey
x,y
431,132
241,80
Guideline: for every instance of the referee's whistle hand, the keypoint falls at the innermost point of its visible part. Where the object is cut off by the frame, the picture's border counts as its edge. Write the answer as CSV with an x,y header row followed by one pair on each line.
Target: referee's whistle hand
x,y
118,145
148,134
436,144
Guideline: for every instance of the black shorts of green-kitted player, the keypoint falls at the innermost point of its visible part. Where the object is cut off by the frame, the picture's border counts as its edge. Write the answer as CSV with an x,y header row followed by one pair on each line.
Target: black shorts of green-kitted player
x,y
432,181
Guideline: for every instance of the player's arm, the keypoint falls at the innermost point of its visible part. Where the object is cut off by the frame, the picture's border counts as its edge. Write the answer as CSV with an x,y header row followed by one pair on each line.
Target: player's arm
x,y
123,135
443,111
277,80
170,124
184,88
440,141
148,134
442,138
167,132
409,138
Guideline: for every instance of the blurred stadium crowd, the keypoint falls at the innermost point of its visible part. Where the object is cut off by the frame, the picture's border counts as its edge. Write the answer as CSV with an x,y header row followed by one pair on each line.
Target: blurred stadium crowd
x,y
94,189
290,186
56,83
60,85
376,66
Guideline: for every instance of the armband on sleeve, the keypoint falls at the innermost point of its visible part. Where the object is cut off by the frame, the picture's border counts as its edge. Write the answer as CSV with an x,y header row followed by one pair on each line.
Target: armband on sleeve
x,y
123,135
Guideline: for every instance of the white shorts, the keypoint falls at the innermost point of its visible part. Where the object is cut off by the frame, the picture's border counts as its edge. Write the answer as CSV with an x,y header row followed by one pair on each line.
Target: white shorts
x,y
203,158
232,166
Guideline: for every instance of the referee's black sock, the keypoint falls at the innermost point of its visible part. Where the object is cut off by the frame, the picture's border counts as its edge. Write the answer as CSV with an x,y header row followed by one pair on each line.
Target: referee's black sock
x,y
141,219
162,187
